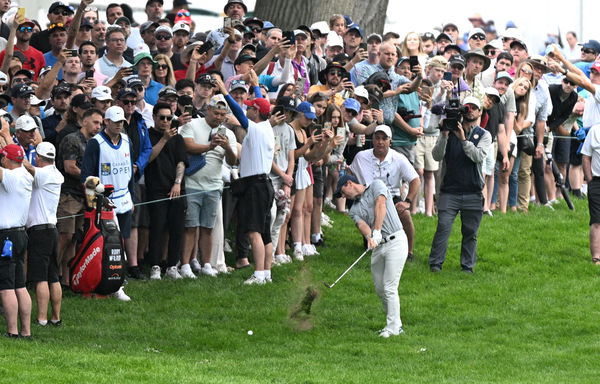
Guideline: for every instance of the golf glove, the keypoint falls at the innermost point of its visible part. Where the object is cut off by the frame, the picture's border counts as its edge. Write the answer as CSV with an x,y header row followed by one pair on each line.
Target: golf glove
x,y
376,236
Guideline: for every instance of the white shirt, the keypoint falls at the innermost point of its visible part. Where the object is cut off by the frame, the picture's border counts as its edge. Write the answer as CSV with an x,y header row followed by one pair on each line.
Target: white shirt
x,y
15,195
209,177
108,68
45,195
258,149
393,170
591,113
591,147
146,114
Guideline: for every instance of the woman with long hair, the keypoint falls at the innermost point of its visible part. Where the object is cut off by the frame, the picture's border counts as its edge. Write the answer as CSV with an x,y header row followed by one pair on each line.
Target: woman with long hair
x,y
163,70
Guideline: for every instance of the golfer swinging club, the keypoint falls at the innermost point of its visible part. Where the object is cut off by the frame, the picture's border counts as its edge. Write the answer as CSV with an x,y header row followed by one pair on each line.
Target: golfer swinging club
x,y
377,220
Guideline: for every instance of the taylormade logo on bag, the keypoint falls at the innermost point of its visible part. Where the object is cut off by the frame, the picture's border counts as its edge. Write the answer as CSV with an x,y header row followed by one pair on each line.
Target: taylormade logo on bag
x,y
85,264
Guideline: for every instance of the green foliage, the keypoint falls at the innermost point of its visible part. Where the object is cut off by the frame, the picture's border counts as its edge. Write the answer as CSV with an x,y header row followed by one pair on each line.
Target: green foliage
x,y
529,314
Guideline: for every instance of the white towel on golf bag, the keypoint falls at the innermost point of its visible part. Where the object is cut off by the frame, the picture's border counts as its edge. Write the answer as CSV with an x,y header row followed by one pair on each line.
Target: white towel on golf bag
x,y
302,176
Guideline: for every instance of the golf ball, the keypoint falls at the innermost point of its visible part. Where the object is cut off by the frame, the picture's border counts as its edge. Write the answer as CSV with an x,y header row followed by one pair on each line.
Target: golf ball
x,y
250,333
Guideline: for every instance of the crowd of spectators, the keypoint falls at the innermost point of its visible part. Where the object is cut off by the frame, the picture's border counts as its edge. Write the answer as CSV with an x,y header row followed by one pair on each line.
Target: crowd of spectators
x,y
233,140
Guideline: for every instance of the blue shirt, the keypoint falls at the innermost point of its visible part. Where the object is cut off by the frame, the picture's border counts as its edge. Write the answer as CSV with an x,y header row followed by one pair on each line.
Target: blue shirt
x,y
50,60
151,95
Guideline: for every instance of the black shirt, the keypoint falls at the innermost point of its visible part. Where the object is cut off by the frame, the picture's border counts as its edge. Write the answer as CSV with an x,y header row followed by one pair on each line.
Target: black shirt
x,y
161,172
71,147
40,41
496,117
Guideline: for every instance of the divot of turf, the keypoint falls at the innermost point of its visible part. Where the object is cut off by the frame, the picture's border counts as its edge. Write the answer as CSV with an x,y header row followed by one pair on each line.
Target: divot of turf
x,y
300,314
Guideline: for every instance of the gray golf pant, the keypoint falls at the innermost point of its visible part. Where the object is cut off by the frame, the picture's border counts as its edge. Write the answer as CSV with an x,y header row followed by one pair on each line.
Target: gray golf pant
x,y
470,207
387,262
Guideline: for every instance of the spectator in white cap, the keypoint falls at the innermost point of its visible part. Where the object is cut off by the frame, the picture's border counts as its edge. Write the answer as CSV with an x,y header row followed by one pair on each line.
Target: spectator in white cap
x,y
320,29
3,82
164,41
334,46
181,36
101,98
42,267
25,129
477,39
108,155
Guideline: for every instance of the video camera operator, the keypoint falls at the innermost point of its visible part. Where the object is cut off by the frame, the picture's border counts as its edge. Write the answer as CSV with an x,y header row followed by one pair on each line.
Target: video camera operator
x,y
463,145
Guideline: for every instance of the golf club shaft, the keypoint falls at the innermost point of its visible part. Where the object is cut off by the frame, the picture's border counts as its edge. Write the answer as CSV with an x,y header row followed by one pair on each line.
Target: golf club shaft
x,y
349,268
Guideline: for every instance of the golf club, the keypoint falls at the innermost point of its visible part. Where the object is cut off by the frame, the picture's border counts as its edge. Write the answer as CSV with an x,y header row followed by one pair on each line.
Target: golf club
x,y
347,270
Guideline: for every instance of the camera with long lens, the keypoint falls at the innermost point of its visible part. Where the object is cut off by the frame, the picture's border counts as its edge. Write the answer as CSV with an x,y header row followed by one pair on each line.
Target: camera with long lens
x,y
406,114
454,112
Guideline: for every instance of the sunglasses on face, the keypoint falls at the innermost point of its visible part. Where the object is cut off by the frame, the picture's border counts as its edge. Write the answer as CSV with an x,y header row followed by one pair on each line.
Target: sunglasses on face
x,y
588,51
457,66
163,37
569,82
491,52
184,13
25,29
19,80
162,66
59,12
335,73
256,29
478,37
527,71
165,117
138,89
128,102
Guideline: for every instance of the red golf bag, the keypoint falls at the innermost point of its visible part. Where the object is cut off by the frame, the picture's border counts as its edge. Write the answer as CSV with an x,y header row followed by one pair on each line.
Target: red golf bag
x,y
99,265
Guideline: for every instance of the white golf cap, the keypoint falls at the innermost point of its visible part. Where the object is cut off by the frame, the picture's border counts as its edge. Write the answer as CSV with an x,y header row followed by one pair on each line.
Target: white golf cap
x,y
102,93
320,26
496,43
46,149
334,40
115,113
299,32
3,78
361,91
181,26
25,123
383,128
472,100
35,101
163,28
491,91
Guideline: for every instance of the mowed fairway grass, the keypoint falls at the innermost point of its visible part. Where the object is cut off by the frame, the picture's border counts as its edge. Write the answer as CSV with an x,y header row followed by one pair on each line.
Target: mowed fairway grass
x,y
529,314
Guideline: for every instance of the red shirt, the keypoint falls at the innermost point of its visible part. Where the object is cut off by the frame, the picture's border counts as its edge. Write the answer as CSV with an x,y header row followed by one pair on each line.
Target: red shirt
x,y
180,73
34,60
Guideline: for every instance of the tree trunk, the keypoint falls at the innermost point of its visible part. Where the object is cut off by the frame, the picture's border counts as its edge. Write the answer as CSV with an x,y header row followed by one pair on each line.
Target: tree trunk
x,y
288,14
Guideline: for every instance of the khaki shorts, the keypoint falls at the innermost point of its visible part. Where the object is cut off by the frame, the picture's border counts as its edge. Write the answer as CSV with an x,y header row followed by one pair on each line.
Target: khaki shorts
x,y
68,206
423,157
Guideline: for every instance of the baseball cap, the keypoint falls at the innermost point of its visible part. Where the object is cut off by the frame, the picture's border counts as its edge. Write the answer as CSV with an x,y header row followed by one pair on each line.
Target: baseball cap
x,y
595,66
3,78
56,26
21,90
518,42
307,109
243,58
154,1
449,25
496,43
44,70
163,28
46,149
13,152
472,100
143,55
491,91
375,36
249,46
229,2
263,105
133,81
357,29
102,93
147,25
205,78
25,123
342,181
218,102
334,40
457,59
115,113
287,102
254,20
181,26
352,104
81,101
320,26
238,84
383,128
60,4
361,91
167,91
437,62
504,75
443,36
591,44
123,19
27,22
125,92
36,102
61,88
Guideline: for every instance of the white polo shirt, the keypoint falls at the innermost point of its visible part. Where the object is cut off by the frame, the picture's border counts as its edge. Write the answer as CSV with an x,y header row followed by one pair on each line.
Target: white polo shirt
x,y
44,198
258,149
393,170
15,195
591,113
209,177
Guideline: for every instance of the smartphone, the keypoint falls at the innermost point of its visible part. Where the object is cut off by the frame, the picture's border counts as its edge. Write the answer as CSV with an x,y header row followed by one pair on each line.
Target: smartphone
x,y
290,36
21,13
414,61
340,131
134,70
447,76
71,53
362,46
317,129
222,131
89,74
188,109
227,22
299,90
205,47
